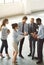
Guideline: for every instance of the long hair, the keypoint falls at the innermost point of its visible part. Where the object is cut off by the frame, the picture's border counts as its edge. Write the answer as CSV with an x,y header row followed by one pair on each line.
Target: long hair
x,y
4,21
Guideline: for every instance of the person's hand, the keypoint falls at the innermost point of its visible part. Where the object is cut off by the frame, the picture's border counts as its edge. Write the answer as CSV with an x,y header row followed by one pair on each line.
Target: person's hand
x,y
37,37
8,31
34,35
25,33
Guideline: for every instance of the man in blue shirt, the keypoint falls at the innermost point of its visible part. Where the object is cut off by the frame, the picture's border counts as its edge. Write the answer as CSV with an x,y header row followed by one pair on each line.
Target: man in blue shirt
x,y
40,37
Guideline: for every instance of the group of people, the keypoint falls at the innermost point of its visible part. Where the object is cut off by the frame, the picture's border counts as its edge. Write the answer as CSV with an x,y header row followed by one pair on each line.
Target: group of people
x,y
20,30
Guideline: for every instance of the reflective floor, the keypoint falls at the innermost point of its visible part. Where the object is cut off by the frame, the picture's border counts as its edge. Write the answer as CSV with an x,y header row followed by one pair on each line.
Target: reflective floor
x,y
27,60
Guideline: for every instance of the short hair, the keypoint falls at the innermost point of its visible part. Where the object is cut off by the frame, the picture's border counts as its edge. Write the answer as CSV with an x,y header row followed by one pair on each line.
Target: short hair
x,y
32,18
38,19
5,19
14,25
25,17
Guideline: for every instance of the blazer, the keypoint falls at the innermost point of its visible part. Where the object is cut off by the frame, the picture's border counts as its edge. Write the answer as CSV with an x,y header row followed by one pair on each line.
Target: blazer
x,y
32,28
25,27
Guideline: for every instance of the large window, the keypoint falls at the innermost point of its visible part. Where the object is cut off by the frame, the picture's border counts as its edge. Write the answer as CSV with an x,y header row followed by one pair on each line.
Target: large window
x,y
9,1
1,1
17,0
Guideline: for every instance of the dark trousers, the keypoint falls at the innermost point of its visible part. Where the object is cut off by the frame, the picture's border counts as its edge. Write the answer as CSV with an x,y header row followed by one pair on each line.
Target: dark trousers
x,y
4,45
21,45
39,49
32,46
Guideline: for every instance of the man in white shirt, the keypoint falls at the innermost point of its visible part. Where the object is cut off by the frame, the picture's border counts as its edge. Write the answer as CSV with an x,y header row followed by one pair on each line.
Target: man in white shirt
x,y
23,27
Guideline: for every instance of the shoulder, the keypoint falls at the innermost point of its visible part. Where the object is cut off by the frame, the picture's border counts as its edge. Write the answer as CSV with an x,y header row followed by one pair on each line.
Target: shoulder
x,y
29,24
35,25
20,23
14,31
42,26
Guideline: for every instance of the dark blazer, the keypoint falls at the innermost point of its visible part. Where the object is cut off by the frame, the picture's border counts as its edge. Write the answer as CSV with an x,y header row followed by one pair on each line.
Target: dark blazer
x,y
32,28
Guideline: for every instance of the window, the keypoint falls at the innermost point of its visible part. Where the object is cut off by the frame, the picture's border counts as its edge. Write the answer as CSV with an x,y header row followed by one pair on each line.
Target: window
x,y
17,0
8,1
1,1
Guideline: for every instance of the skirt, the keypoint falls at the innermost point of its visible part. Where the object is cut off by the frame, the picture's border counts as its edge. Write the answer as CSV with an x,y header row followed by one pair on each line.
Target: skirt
x,y
15,46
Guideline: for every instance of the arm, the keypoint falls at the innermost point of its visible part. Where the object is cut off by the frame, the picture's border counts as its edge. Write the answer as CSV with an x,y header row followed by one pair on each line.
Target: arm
x,y
8,31
0,28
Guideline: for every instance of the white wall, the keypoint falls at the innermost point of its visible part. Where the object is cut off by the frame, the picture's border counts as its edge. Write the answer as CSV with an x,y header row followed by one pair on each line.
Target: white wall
x,y
22,7
37,5
11,9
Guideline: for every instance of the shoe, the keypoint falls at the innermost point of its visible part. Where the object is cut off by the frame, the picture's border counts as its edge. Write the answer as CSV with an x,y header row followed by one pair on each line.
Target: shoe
x,y
3,57
29,54
9,57
32,58
21,56
38,62
36,58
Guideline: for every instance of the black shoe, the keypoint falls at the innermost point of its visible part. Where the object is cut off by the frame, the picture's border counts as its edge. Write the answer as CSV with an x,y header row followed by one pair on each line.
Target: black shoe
x,y
21,56
38,62
32,58
36,58
3,57
29,54
9,57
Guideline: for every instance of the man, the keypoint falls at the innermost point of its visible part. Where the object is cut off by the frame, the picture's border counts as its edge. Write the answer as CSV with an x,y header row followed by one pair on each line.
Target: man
x,y
32,29
23,27
40,37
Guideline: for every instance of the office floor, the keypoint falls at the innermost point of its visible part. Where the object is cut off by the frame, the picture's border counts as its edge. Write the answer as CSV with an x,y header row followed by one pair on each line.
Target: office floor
x,y
27,60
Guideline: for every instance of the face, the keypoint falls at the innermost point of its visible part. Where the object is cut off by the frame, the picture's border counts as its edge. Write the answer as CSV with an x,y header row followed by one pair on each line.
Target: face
x,y
16,28
24,21
7,22
38,22
32,20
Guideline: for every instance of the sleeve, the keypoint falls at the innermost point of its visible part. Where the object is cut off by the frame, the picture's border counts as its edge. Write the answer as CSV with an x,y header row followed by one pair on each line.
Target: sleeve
x,y
40,33
19,37
18,24
20,33
36,28
29,29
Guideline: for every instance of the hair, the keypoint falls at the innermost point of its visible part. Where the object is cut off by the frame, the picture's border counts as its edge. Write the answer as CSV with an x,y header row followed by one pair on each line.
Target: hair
x,y
4,21
38,19
14,25
25,17
32,18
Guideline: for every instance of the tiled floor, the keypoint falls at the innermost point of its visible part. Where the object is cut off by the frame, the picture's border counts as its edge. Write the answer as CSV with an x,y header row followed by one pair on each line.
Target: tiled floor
x,y
27,60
